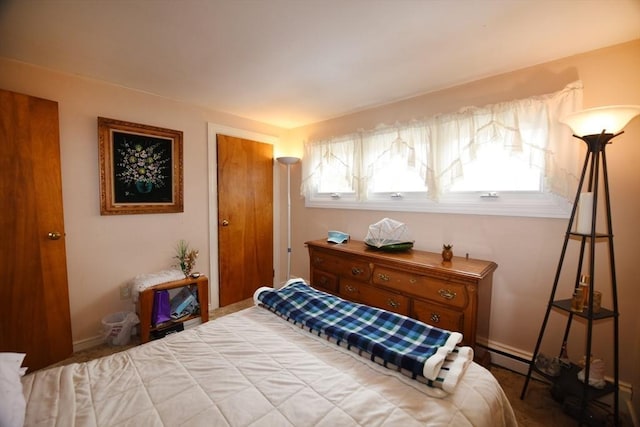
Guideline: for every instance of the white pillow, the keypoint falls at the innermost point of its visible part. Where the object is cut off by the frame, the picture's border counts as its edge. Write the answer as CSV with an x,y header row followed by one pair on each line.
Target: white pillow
x,y
12,404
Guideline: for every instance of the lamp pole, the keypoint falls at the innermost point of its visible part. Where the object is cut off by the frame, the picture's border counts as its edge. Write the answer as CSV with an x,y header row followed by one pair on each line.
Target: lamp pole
x,y
288,161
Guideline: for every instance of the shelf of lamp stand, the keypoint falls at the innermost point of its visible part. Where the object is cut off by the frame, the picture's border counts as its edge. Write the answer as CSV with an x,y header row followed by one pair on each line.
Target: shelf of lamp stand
x,y
568,384
565,304
598,235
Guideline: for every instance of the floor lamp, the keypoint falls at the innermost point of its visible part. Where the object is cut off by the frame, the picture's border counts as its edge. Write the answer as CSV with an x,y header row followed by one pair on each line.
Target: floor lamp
x,y
596,127
288,161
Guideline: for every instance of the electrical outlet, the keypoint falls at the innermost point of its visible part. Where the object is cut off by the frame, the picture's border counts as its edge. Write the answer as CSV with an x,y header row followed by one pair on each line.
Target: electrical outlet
x,y
125,291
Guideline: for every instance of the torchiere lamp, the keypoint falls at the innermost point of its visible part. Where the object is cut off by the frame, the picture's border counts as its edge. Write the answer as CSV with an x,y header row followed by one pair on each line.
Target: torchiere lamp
x,y
596,127
288,161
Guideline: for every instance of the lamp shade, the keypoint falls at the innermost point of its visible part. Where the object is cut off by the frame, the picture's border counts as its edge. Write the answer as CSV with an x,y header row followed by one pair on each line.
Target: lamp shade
x,y
288,160
611,119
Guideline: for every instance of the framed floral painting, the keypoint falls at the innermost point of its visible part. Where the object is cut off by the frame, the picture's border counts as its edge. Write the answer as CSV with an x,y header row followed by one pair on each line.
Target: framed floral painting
x,y
140,168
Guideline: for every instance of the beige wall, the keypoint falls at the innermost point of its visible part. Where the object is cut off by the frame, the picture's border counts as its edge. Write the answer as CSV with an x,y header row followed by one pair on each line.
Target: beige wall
x,y
105,251
526,249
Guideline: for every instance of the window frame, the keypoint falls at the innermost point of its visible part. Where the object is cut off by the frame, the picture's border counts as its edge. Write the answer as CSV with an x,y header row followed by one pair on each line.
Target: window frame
x,y
519,204
557,160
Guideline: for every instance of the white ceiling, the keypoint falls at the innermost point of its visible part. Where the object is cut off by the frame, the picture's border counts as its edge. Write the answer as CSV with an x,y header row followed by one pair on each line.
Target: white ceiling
x,y
294,62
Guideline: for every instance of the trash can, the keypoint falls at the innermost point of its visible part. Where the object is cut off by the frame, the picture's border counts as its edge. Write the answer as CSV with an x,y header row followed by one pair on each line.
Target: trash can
x,y
117,327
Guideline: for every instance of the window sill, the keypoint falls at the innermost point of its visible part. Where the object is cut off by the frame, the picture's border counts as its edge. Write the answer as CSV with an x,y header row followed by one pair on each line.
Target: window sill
x,y
540,205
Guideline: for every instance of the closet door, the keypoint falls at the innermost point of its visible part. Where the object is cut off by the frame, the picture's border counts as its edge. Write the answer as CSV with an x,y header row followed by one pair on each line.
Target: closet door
x,y
245,217
34,297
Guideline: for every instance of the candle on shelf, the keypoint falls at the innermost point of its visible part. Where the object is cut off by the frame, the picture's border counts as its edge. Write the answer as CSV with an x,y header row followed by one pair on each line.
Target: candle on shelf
x,y
576,301
585,209
584,285
597,301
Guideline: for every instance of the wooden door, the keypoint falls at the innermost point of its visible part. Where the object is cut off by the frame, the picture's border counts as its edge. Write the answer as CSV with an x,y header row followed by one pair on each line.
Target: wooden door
x,y
245,217
34,318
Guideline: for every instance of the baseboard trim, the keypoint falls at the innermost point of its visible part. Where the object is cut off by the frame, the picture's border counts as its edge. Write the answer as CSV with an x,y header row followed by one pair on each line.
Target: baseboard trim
x,y
517,360
96,340
88,343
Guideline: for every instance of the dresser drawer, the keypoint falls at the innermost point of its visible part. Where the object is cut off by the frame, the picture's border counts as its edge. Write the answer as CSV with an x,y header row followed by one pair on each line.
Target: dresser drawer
x,y
441,291
438,316
374,296
324,281
340,266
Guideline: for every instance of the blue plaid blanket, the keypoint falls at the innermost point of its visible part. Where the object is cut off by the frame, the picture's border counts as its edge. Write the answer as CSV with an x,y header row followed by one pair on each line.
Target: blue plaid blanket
x,y
411,346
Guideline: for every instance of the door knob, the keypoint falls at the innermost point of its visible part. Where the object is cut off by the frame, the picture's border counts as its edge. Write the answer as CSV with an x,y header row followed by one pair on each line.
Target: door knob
x,y
54,235
225,223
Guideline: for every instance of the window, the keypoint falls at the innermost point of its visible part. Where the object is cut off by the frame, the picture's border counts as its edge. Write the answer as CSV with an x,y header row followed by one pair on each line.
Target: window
x,y
512,158
494,170
335,170
396,160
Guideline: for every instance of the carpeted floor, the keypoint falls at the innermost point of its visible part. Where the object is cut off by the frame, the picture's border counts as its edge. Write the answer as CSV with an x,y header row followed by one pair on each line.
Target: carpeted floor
x,y
538,409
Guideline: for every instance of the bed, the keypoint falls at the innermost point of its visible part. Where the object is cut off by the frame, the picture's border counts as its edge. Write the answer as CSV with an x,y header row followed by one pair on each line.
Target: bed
x,y
255,367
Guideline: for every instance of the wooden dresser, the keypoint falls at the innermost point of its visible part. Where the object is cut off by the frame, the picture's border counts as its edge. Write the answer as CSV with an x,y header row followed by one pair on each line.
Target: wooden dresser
x,y
455,295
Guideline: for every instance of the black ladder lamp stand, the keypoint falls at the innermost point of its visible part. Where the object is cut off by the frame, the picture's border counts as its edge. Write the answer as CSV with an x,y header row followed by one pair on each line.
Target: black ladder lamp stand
x,y
596,127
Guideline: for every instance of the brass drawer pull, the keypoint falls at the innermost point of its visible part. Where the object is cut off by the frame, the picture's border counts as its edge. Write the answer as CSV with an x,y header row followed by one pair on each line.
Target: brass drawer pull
x,y
383,277
356,271
350,288
323,280
393,303
435,317
447,293
413,280
318,260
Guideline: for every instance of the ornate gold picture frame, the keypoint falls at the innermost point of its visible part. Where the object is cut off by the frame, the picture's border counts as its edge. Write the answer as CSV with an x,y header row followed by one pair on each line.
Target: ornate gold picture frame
x,y
140,168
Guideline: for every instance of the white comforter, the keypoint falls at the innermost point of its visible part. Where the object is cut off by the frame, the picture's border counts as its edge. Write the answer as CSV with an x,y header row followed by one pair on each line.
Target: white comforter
x,y
252,368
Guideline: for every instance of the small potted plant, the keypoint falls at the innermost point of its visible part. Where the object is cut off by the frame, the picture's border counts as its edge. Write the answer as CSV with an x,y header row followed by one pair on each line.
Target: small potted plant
x,y
186,257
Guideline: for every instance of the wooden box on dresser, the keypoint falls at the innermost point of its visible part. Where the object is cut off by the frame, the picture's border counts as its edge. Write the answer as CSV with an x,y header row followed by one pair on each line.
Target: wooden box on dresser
x,y
453,295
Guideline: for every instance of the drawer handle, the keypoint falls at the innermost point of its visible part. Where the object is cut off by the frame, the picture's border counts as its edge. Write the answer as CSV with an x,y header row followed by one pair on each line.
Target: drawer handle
x,y
350,288
318,260
383,277
393,303
323,280
355,271
435,317
413,280
447,293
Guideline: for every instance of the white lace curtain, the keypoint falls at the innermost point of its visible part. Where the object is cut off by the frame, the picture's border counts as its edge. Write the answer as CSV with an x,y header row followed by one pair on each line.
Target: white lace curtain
x,y
438,148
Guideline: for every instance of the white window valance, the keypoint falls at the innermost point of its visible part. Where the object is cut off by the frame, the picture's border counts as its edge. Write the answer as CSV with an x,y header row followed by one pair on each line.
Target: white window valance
x,y
436,149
